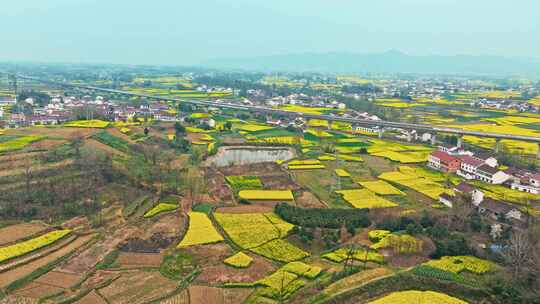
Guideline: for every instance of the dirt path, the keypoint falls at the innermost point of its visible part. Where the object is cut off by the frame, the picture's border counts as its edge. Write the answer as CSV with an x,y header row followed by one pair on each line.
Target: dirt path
x,y
10,276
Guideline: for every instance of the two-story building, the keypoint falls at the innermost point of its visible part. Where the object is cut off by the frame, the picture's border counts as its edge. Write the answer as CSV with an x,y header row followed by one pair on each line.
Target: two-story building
x,y
468,166
491,175
443,161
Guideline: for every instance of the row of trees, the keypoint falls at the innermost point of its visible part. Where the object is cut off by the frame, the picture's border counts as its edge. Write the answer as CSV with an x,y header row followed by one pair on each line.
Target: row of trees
x,y
323,218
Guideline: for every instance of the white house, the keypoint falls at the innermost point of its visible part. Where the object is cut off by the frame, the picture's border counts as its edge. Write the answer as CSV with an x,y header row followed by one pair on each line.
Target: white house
x,y
476,195
488,160
491,175
468,166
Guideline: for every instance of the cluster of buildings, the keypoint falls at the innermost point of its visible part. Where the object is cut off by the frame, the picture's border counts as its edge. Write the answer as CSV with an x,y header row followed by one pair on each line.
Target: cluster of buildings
x,y
483,168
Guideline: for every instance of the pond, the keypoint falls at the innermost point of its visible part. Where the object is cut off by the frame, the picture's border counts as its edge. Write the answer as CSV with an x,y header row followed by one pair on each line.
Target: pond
x,y
244,155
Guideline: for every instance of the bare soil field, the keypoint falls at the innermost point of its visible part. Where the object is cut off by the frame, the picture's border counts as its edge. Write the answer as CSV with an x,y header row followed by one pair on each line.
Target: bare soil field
x,y
239,209
94,144
137,260
309,200
59,279
205,295
181,298
92,298
12,299
37,290
57,132
219,273
214,271
169,226
10,276
13,233
99,277
88,258
137,286
46,144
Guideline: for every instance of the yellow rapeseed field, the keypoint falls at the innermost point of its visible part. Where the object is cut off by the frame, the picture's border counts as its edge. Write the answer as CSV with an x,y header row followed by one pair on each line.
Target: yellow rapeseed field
x,y
417,297
200,231
22,248
273,195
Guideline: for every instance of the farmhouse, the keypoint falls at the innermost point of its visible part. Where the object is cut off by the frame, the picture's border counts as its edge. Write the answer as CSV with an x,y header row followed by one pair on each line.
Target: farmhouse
x,y
465,189
443,161
491,175
468,167
499,209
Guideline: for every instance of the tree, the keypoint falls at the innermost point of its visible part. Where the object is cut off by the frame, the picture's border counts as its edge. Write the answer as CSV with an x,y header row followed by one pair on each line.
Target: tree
x,y
228,125
518,253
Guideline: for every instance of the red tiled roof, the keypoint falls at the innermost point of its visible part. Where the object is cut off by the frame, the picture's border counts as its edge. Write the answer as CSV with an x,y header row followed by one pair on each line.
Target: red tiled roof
x,y
443,156
473,161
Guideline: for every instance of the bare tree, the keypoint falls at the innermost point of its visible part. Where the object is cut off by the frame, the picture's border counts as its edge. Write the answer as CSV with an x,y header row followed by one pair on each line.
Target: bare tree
x,y
518,253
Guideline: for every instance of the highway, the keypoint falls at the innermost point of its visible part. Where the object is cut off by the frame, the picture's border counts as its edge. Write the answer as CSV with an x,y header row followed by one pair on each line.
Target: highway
x,y
261,109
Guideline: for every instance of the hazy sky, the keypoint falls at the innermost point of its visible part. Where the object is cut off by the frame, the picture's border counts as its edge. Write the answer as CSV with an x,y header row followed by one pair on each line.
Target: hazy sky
x,y
190,31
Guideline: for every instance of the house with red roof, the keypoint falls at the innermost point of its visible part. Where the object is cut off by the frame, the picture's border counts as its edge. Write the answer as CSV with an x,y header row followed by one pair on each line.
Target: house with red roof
x,y
444,162
468,166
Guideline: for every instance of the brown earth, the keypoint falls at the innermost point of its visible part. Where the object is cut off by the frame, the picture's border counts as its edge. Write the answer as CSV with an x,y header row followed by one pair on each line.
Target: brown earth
x,y
59,279
12,299
137,286
134,260
308,200
181,298
10,276
205,295
87,259
65,133
239,209
219,273
46,144
92,298
99,277
37,290
21,231
168,225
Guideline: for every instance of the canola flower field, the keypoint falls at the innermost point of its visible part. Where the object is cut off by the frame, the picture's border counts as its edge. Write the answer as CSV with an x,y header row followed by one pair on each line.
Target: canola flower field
x,y
160,208
25,247
18,143
239,260
200,231
272,195
364,198
417,297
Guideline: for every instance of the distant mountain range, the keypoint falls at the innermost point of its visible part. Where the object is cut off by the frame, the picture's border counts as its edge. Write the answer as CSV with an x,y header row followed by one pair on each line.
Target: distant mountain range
x,y
387,62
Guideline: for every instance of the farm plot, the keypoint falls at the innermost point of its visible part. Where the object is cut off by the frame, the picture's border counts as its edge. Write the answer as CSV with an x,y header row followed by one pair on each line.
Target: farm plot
x,y
200,231
358,254
10,276
139,260
381,187
286,280
457,264
399,152
205,294
138,287
261,233
160,208
418,297
18,143
17,232
244,182
418,181
99,124
272,195
364,198
22,248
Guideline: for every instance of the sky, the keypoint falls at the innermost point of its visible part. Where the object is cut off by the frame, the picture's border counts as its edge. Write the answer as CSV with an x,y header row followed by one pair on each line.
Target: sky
x,y
188,32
